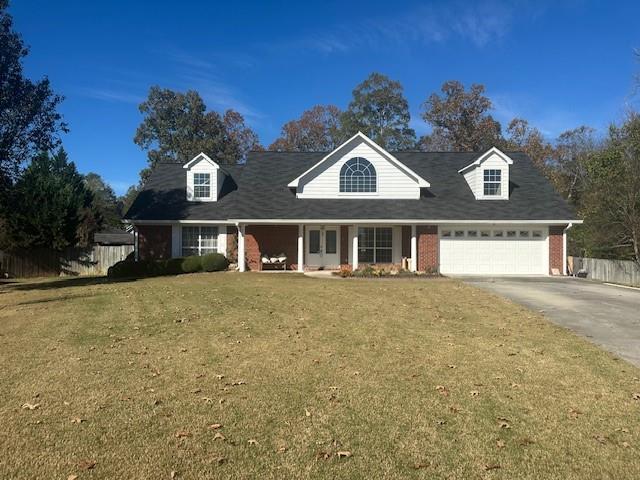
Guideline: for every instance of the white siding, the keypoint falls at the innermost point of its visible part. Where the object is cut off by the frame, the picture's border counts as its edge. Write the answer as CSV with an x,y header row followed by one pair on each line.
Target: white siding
x,y
475,177
203,166
391,181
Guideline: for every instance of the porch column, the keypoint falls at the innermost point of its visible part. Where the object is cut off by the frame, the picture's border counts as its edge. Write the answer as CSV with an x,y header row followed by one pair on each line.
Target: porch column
x,y
241,255
414,250
354,261
301,248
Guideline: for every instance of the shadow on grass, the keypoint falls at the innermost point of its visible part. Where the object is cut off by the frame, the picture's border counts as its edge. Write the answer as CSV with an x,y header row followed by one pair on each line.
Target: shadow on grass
x,y
26,285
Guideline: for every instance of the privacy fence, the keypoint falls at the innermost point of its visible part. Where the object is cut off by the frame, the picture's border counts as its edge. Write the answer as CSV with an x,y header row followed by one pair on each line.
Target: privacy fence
x,y
73,261
624,272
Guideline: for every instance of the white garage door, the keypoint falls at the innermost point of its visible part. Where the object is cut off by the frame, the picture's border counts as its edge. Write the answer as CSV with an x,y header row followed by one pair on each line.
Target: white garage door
x,y
493,250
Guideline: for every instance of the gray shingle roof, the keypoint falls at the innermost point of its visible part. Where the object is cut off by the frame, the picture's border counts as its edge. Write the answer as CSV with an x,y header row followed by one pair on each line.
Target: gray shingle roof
x,y
258,190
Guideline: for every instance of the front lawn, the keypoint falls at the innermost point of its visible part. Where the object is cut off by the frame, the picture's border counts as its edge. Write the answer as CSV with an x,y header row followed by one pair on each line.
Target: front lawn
x,y
280,376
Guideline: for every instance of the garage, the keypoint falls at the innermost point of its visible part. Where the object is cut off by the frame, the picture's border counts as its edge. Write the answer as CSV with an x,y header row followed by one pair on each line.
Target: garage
x,y
494,250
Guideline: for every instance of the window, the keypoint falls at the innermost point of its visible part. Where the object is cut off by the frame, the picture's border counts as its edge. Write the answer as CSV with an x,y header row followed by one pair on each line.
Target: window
x,y
498,233
492,182
485,233
446,233
314,241
511,233
357,175
199,240
331,242
472,233
537,234
459,233
201,185
375,245
524,233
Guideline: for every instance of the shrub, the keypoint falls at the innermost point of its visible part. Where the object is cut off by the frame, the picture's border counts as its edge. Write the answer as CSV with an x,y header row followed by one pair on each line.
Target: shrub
x,y
173,266
214,262
192,264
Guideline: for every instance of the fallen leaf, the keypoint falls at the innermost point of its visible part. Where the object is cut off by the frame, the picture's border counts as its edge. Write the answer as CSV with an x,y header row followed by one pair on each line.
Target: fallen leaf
x,y
491,467
600,438
72,477
215,426
573,413
500,444
307,412
442,390
219,377
525,442
77,420
252,441
625,444
441,422
220,460
323,455
343,454
451,366
219,436
182,434
475,393
636,396
282,449
30,406
87,464
418,466
505,425
174,474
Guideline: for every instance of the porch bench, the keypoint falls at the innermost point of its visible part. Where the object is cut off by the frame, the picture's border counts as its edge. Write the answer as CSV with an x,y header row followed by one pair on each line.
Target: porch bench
x,y
273,263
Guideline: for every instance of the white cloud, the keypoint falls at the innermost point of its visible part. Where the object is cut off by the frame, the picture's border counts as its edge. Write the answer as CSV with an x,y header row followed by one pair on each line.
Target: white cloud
x,y
111,95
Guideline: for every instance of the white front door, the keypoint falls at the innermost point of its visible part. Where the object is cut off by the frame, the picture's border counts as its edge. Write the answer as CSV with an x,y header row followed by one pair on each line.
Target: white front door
x,y
323,247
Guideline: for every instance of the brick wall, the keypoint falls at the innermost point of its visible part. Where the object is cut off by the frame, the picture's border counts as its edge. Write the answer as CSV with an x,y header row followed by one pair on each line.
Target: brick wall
x,y
428,256
406,241
232,244
556,251
154,242
344,245
271,239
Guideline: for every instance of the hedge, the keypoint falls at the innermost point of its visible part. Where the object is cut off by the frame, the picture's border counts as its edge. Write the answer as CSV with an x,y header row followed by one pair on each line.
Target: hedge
x,y
213,262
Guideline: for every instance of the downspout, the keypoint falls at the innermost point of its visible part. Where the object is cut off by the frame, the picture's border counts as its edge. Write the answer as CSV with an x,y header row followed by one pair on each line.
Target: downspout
x,y
564,249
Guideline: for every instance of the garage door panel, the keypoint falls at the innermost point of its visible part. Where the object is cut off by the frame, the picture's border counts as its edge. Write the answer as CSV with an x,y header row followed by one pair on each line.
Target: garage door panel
x,y
495,255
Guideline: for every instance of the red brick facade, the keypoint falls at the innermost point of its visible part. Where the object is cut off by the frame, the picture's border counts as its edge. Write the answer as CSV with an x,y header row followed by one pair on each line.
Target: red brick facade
x,y
154,242
428,251
271,239
556,248
344,245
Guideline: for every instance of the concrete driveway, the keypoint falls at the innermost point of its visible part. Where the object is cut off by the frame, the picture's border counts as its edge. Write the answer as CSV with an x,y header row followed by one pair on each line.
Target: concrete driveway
x,y
607,315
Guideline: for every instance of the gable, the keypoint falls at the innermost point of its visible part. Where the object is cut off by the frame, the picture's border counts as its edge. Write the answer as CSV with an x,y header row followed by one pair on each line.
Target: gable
x,y
201,165
491,165
392,179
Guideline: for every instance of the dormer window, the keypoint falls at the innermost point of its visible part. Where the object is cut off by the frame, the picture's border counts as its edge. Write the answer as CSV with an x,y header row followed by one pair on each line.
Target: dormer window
x,y
201,185
492,182
358,175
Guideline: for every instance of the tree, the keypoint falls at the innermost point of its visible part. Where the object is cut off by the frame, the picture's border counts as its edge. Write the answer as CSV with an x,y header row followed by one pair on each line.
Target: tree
x,y
104,199
29,122
125,201
524,137
50,206
177,126
569,162
460,120
612,199
317,129
380,111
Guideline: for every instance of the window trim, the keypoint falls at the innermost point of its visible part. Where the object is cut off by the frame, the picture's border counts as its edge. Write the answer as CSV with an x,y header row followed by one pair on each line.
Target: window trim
x,y
201,185
495,179
200,248
374,246
346,182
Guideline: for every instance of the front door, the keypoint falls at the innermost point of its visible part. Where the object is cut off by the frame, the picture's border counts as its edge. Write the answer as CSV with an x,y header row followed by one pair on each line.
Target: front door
x,y
323,245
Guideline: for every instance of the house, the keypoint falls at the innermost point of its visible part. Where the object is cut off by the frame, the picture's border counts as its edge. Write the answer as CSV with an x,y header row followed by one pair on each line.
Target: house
x,y
113,236
489,213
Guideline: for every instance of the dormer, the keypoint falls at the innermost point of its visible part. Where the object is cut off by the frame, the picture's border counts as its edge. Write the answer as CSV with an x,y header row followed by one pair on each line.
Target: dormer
x,y
204,179
488,175
359,168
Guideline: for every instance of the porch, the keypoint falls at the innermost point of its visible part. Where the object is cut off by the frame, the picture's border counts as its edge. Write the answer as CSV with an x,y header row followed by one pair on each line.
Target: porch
x,y
330,246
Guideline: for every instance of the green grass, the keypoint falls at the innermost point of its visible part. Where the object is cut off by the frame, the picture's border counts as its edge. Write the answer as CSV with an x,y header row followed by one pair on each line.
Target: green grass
x,y
415,378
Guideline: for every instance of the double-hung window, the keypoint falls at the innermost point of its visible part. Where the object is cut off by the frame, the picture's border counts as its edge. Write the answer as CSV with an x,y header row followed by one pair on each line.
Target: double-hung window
x,y
492,183
201,185
199,240
375,245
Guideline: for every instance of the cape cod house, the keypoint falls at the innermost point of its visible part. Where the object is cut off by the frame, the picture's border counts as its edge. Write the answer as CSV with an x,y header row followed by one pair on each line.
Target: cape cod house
x,y
484,213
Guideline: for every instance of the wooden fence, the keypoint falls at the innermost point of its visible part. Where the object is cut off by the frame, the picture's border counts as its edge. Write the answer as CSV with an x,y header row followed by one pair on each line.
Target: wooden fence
x,y
624,272
73,261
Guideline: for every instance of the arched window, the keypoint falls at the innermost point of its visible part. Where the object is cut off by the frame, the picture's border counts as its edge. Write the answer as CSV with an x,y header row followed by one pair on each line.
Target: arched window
x,y
357,175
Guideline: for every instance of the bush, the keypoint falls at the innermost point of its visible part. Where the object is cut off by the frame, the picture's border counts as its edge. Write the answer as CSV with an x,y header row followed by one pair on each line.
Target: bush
x,y
173,266
192,264
214,262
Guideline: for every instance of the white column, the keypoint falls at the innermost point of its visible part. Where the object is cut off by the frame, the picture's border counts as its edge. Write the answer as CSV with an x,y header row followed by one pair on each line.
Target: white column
x,y
354,261
414,250
241,260
301,248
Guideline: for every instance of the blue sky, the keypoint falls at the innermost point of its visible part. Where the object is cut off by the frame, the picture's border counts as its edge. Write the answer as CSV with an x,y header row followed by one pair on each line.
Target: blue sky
x,y
557,64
